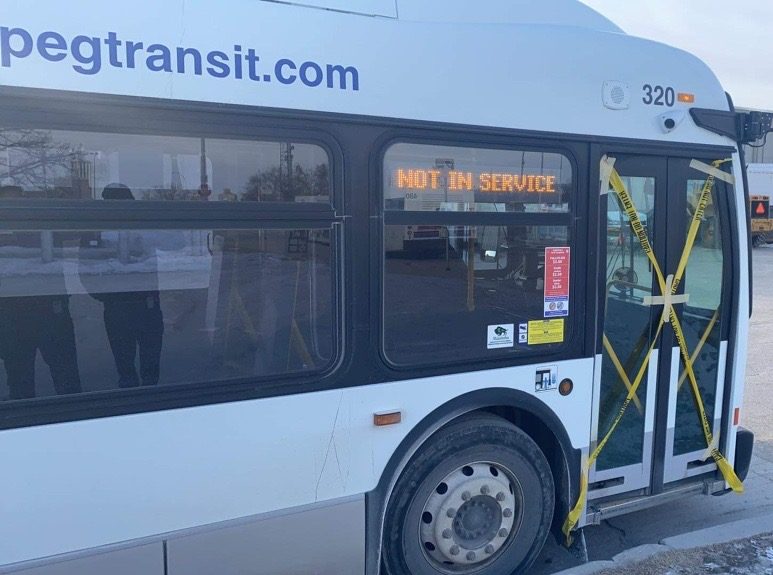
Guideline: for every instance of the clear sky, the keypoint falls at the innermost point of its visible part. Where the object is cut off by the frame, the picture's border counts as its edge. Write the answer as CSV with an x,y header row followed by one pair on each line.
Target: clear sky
x,y
734,38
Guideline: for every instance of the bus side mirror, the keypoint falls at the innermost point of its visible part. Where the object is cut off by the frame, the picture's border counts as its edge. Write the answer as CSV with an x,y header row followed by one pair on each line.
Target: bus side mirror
x,y
743,127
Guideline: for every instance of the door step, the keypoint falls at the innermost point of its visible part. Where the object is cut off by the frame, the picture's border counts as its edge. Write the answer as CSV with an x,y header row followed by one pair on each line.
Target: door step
x,y
598,512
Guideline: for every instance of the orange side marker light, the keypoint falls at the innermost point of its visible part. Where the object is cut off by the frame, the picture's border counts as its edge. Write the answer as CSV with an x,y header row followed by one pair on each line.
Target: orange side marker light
x,y
387,418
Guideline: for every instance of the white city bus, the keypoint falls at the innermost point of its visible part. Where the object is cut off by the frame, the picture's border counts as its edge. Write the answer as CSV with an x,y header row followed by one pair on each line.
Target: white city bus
x,y
226,351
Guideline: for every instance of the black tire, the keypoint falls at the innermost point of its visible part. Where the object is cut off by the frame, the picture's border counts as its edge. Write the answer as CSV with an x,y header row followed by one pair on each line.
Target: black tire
x,y
759,240
471,441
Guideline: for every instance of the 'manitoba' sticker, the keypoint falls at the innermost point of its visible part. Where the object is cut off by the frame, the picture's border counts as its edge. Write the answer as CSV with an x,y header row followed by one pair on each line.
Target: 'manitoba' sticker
x,y
501,336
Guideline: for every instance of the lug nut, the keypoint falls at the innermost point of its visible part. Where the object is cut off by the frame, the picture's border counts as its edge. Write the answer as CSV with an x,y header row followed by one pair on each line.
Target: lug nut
x,y
447,534
500,496
466,496
503,532
455,550
508,513
485,490
451,513
471,556
489,549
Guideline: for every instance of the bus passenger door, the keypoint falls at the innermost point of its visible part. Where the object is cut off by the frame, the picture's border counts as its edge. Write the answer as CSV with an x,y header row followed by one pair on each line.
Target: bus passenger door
x,y
651,205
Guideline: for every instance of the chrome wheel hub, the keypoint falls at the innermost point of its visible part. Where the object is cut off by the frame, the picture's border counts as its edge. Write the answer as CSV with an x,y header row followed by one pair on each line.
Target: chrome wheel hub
x,y
470,517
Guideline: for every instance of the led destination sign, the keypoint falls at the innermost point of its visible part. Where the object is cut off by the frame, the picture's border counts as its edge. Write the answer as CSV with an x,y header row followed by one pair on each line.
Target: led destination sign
x,y
458,181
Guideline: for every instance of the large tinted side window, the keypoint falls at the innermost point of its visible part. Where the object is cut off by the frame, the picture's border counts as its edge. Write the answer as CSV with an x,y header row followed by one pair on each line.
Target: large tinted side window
x,y
477,253
177,299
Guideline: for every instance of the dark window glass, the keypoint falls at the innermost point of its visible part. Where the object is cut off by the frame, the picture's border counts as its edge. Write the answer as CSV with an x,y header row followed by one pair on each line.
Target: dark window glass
x,y
420,177
39,164
469,282
85,311
447,287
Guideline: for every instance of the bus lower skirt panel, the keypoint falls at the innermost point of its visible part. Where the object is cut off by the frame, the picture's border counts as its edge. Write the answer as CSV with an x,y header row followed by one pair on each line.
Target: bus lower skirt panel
x,y
326,539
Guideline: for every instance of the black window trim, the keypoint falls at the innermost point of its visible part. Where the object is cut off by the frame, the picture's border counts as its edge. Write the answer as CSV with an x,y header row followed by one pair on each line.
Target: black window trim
x,y
461,137
156,214
478,218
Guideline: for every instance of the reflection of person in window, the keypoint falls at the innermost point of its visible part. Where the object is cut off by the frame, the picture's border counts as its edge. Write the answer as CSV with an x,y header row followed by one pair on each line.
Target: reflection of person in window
x,y
133,319
33,323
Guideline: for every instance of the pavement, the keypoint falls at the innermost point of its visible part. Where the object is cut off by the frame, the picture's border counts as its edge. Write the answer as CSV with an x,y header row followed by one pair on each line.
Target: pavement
x,y
699,534
744,546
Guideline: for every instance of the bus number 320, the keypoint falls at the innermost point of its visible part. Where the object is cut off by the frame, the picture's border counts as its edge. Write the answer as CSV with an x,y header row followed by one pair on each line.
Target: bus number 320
x,y
658,96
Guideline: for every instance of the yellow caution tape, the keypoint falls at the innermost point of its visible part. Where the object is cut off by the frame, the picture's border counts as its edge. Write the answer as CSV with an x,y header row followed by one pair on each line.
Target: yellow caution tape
x,y
669,314
621,373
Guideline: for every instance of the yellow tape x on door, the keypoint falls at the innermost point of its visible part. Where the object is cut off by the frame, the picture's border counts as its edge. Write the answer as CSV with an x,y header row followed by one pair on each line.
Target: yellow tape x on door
x,y
668,288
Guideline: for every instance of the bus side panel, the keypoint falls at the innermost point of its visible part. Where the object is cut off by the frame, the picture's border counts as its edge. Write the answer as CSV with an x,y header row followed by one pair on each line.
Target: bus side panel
x,y
142,559
113,480
326,540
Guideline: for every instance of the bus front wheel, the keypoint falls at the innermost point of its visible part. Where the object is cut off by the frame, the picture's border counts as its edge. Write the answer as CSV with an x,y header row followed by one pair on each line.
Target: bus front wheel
x,y
477,498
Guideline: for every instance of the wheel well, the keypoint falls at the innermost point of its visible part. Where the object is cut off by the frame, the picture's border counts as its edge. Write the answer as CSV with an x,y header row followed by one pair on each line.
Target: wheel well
x,y
519,408
554,453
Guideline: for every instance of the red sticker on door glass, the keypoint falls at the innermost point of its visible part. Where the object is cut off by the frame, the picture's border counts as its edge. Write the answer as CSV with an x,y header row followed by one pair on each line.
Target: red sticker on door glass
x,y
557,267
